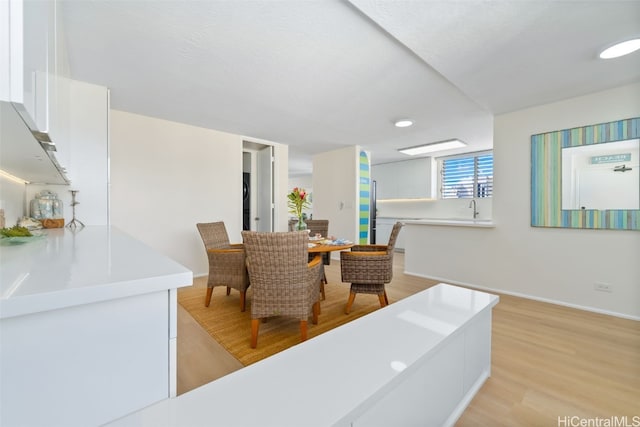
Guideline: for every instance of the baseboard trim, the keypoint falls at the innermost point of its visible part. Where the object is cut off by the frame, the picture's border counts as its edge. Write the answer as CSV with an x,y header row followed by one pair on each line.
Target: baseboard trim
x,y
527,296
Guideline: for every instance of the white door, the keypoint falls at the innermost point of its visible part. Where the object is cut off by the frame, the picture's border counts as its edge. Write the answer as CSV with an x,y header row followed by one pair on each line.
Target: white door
x,y
602,188
264,165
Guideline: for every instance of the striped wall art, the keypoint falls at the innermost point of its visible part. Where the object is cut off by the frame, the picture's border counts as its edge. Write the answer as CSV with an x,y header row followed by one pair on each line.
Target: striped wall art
x,y
546,178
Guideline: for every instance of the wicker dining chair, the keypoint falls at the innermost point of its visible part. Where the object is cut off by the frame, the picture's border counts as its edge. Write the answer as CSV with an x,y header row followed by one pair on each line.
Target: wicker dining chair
x,y
283,281
368,268
226,261
315,226
321,227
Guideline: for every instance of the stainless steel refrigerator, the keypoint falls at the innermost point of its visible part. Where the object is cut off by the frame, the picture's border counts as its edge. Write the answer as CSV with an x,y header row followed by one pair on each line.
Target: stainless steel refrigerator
x,y
372,213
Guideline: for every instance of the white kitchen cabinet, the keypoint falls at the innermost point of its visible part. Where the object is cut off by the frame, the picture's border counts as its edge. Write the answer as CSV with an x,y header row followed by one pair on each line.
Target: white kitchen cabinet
x,y
29,62
383,232
87,328
410,179
416,362
28,57
87,154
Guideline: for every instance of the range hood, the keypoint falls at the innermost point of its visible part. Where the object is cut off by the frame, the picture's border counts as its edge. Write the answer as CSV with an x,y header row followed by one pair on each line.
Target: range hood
x,y
27,154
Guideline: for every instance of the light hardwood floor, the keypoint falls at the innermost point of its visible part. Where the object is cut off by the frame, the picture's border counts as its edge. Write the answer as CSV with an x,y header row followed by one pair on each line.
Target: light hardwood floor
x,y
551,365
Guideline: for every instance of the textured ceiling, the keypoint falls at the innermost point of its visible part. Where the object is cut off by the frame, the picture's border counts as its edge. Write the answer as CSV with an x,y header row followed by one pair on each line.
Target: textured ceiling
x,y
323,74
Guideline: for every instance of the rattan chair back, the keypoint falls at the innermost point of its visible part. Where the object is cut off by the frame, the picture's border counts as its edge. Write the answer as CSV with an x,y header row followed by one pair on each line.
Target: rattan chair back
x,y
227,265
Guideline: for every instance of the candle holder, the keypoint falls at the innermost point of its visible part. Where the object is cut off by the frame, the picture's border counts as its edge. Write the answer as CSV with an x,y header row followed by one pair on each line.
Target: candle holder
x,y
74,223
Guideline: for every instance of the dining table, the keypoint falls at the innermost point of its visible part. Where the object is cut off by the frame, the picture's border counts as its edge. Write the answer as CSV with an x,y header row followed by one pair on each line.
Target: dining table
x,y
321,246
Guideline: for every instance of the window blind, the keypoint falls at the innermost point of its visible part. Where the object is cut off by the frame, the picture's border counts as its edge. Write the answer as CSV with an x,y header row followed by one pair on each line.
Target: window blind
x,y
467,176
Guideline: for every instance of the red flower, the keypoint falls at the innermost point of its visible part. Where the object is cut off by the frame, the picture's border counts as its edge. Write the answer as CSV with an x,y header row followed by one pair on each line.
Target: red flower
x,y
297,201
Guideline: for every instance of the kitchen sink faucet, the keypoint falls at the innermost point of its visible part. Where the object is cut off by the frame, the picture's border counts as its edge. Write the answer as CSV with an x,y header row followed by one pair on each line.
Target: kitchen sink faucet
x,y
472,203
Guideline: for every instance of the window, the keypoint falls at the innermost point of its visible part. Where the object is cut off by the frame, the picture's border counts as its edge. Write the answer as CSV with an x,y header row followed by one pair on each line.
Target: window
x,y
466,176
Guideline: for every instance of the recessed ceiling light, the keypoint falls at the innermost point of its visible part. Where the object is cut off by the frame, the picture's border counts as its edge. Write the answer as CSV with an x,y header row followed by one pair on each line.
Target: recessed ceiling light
x,y
403,123
434,146
620,49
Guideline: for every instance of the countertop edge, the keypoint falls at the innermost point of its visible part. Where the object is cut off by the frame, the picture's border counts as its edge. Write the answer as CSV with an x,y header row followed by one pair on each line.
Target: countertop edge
x,y
451,222
47,301
79,268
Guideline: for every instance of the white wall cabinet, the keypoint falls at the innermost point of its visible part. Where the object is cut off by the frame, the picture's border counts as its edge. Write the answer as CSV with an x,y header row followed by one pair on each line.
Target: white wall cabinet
x,y
410,179
39,61
29,57
87,151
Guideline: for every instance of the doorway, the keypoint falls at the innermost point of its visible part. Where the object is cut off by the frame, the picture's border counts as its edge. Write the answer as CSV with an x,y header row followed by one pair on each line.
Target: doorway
x,y
258,169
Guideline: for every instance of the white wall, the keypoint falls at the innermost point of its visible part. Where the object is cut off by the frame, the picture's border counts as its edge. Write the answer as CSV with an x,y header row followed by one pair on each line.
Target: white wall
x,y
303,181
12,200
166,177
559,265
306,182
280,184
335,190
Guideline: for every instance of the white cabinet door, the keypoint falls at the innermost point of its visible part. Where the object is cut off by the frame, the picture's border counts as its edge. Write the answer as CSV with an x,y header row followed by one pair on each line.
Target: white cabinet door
x,y
12,51
5,51
39,58
383,231
409,179
85,365
27,58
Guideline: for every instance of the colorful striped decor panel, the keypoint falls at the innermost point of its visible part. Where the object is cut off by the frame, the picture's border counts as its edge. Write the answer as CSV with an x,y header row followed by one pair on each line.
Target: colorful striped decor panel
x,y
546,177
365,199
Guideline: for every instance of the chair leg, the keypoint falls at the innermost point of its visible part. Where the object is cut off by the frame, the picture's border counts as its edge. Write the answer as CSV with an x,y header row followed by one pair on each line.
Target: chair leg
x,y
322,289
207,300
255,326
352,296
383,300
316,312
228,290
243,299
303,330
385,297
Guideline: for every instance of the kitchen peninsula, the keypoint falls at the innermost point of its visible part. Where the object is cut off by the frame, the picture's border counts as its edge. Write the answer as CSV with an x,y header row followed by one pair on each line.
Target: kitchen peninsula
x,y
87,327
416,362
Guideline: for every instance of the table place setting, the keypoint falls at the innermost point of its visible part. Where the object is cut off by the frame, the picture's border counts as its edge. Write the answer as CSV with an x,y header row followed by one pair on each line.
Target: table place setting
x,y
337,242
321,241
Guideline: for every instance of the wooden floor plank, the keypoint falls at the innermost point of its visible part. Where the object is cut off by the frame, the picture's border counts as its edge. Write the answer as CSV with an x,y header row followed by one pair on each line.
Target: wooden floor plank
x,y
548,361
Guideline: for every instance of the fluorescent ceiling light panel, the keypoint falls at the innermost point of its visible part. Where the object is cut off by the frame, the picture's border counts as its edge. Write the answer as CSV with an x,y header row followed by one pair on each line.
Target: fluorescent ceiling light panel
x,y
620,49
434,146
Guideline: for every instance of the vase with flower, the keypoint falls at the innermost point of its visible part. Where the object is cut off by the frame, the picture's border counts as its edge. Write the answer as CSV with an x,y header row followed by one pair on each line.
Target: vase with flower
x,y
298,200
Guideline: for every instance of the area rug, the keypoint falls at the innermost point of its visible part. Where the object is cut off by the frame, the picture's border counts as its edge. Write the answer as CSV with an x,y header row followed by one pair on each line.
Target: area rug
x,y
231,328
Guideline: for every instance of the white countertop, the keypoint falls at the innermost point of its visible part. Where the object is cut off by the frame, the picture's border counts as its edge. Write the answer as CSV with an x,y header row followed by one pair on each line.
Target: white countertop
x,y
69,268
322,381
